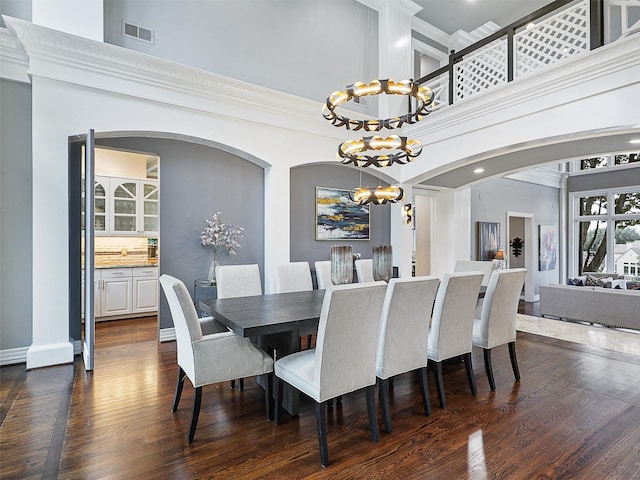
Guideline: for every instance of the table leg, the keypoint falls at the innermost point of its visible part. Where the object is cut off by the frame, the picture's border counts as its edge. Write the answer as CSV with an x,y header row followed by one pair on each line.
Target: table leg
x,y
280,345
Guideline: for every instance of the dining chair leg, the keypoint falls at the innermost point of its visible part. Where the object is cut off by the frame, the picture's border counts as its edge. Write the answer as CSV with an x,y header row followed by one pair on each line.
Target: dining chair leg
x,y
241,385
233,384
489,368
197,399
308,342
383,386
514,360
179,385
370,393
268,394
321,422
437,368
469,367
277,389
424,390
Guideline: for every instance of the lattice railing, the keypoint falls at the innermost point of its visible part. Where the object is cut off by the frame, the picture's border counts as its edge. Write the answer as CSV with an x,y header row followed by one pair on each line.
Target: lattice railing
x,y
440,91
557,31
555,38
481,70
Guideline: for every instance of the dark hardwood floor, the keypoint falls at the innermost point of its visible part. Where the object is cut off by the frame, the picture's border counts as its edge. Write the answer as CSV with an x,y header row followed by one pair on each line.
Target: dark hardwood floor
x,y
575,414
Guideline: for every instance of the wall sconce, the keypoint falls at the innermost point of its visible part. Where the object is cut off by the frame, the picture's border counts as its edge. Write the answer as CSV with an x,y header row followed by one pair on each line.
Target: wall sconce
x,y
408,211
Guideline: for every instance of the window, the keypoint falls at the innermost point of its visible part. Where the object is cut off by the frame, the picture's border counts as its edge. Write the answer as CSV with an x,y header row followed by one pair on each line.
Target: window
x,y
604,161
606,228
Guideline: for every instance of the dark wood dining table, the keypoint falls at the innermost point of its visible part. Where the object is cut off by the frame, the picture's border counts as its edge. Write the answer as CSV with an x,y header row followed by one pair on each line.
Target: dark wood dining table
x,y
274,320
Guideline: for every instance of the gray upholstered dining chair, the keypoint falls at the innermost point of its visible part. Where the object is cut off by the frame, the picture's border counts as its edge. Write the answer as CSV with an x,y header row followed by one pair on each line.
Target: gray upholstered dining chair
x,y
323,274
452,325
497,323
295,277
238,281
404,330
208,359
344,359
364,270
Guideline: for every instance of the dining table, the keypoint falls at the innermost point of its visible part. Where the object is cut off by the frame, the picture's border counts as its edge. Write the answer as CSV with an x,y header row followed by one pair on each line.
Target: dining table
x,y
274,320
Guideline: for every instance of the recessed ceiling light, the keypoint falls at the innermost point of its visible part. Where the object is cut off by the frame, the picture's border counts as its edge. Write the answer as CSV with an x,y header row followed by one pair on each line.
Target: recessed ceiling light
x,y
478,170
635,141
530,25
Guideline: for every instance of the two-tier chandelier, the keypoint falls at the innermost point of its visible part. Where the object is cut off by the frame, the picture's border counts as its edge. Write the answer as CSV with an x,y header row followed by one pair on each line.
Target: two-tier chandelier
x,y
376,150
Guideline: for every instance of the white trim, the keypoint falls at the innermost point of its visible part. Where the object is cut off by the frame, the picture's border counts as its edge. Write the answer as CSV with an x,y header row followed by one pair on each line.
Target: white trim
x,y
166,334
11,356
13,58
50,354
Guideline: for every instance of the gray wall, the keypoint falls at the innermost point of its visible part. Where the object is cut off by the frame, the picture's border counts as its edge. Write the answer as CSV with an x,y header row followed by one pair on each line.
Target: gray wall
x,y
16,8
197,181
304,180
491,200
16,231
604,179
307,48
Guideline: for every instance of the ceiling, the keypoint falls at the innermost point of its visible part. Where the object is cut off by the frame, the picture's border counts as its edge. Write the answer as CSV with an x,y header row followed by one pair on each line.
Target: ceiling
x,y
453,15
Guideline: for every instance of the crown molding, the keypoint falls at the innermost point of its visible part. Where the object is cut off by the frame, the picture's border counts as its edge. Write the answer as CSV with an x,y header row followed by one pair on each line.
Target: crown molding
x,y
13,58
79,61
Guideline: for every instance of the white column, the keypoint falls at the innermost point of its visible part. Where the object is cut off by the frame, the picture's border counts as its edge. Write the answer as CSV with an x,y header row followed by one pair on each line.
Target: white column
x,y
396,54
84,18
50,288
277,238
451,233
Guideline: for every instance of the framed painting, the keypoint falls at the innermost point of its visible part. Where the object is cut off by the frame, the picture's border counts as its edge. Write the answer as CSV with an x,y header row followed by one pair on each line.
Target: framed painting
x,y
338,217
487,238
547,247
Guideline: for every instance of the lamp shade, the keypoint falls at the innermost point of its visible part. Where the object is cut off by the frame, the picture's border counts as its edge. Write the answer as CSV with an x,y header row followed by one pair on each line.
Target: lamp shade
x,y
499,255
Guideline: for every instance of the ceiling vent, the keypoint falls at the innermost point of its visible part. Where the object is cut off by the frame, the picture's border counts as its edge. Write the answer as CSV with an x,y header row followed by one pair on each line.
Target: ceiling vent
x,y
135,31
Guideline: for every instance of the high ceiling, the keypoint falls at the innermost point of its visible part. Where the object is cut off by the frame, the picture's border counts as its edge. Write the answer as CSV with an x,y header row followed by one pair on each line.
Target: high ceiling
x,y
452,15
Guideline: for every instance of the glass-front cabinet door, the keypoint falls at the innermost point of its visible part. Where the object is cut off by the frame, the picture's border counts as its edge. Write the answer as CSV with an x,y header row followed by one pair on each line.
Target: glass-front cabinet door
x,y
134,206
124,211
101,186
150,207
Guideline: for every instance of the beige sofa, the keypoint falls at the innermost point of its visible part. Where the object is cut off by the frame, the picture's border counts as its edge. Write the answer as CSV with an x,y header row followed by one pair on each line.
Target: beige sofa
x,y
606,306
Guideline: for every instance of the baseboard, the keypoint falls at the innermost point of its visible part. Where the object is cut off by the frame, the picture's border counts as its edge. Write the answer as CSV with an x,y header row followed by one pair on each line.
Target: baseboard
x,y
11,356
167,335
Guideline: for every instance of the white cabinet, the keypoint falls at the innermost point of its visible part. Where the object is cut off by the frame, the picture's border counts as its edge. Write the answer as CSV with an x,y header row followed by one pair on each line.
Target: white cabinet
x,y
133,206
124,291
116,292
145,289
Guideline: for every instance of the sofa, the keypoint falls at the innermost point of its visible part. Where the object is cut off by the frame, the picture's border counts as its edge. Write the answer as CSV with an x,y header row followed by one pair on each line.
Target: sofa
x,y
613,307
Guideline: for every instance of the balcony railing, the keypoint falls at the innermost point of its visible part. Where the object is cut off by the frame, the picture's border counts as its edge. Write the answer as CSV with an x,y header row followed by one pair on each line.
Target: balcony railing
x,y
553,33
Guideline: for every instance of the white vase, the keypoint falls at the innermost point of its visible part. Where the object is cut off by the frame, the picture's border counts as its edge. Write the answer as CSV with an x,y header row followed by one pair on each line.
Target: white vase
x,y
211,276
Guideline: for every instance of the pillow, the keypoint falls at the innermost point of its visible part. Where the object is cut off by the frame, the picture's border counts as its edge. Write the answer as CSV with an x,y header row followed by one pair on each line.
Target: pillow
x,y
605,282
577,281
621,284
591,281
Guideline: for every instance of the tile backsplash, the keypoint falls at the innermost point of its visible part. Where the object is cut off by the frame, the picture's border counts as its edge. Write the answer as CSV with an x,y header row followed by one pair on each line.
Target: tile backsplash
x,y
114,251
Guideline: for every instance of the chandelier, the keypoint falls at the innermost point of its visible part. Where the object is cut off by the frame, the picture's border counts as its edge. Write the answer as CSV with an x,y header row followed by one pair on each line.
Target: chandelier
x,y
377,196
394,148
406,151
